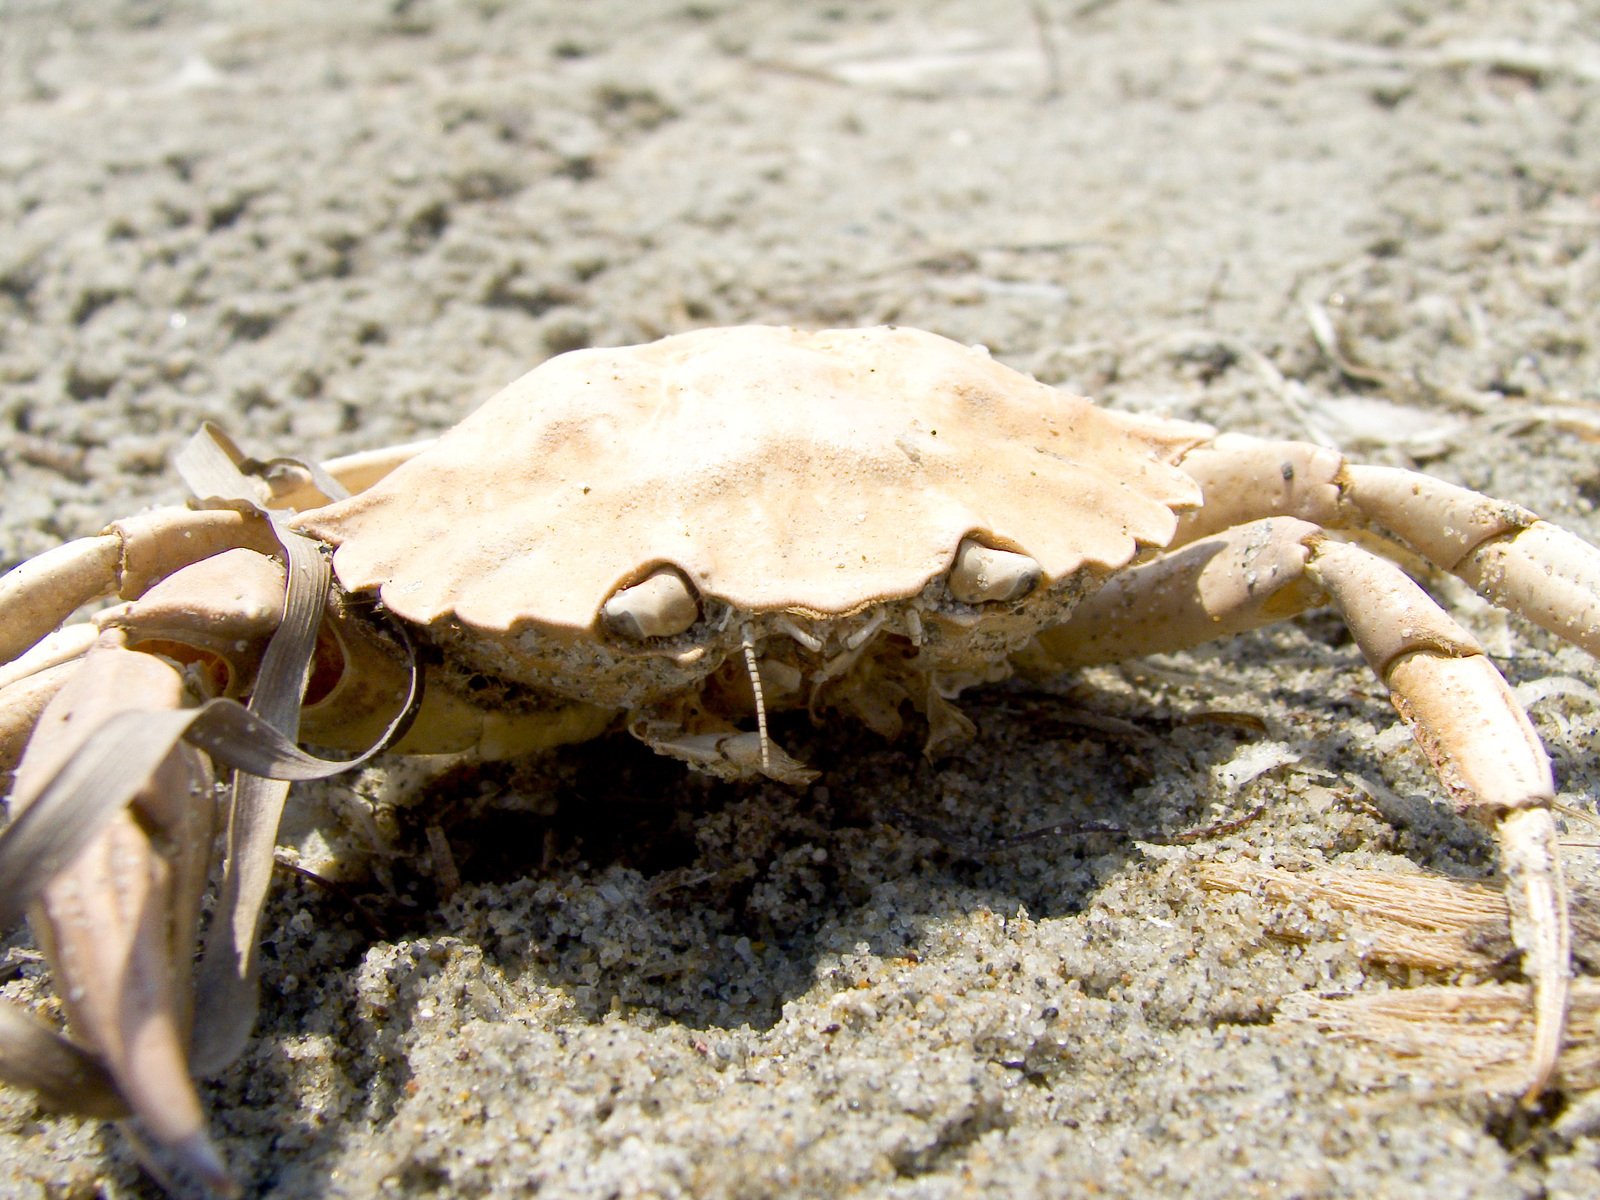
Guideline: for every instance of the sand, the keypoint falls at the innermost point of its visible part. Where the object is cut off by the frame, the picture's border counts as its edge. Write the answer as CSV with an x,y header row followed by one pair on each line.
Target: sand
x,y
339,226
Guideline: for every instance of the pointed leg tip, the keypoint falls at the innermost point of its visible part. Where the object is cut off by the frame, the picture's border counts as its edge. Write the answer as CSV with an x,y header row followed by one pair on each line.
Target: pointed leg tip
x,y
201,1159
1542,930
1551,994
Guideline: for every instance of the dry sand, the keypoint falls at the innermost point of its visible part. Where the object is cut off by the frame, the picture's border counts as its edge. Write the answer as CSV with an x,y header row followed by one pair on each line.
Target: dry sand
x,y
334,226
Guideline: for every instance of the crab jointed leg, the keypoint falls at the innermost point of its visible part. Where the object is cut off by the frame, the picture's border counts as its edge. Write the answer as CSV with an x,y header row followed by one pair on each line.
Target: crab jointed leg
x,y
1507,553
1460,709
1511,557
132,554
1482,747
115,906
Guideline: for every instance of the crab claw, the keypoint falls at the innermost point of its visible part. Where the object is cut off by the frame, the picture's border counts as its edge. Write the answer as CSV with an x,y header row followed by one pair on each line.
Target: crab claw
x,y
117,920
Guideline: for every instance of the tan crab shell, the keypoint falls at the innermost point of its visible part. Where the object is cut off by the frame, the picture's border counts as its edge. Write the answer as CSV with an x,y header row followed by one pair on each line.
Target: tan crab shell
x,y
810,482
777,469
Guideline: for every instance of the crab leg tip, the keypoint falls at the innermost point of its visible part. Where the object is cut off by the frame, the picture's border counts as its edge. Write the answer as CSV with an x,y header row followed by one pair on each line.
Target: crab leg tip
x,y
1543,933
200,1158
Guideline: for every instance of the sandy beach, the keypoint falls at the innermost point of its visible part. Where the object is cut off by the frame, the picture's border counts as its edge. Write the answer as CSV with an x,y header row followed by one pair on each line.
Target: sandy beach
x,y
1004,972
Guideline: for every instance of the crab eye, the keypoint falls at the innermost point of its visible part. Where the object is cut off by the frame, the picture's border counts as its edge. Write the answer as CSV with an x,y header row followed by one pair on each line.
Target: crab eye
x,y
981,574
662,605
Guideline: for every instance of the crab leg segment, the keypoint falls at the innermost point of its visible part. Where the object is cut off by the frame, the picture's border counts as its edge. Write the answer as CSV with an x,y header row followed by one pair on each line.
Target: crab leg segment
x,y
125,560
1520,562
1217,587
118,921
38,595
1244,479
1459,708
293,487
1483,749
28,682
1504,551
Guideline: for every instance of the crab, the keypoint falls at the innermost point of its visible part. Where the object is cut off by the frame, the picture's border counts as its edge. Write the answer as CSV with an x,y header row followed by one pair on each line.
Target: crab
x,y
679,538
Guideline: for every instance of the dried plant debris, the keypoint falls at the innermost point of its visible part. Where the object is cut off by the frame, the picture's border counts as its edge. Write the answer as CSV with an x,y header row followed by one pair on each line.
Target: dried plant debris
x,y
1470,1034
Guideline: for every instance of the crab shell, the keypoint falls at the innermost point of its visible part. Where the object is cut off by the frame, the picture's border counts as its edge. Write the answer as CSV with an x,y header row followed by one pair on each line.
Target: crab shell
x,y
814,485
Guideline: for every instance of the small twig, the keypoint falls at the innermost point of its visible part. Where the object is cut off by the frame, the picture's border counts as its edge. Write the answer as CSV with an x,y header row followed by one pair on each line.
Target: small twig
x,y
70,462
1326,334
1048,49
1183,838
1071,829
446,877
1503,55
1223,716
364,913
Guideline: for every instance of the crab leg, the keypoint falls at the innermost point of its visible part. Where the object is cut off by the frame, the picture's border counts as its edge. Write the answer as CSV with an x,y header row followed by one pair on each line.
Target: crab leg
x,y
1505,552
1482,747
218,616
1238,580
132,554
125,560
1459,708
293,488
221,609
28,682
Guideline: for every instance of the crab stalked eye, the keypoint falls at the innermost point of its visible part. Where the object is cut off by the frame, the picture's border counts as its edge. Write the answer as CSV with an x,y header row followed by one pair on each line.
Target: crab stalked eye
x,y
981,574
662,605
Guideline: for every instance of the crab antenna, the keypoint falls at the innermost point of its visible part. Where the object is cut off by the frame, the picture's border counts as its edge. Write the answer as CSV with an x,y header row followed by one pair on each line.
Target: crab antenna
x,y
747,644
